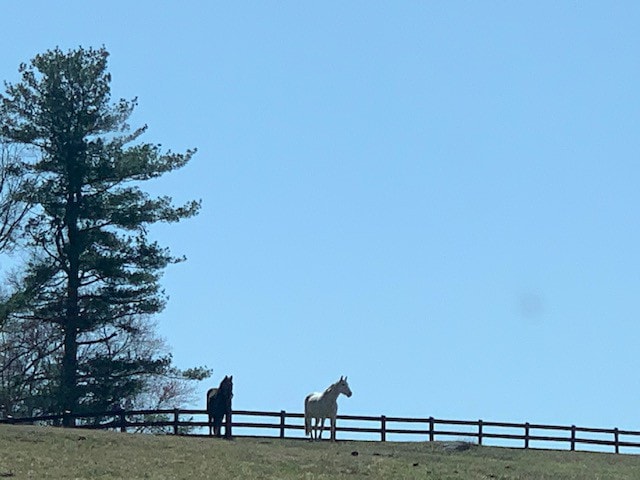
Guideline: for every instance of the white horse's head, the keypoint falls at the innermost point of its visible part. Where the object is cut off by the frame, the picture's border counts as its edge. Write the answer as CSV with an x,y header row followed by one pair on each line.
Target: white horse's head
x,y
343,387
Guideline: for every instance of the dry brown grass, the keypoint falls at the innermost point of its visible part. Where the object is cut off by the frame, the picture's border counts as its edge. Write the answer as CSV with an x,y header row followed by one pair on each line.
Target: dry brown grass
x,y
44,452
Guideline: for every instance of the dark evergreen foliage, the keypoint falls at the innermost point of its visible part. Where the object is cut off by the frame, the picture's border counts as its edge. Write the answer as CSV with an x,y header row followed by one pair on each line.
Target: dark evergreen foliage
x,y
92,271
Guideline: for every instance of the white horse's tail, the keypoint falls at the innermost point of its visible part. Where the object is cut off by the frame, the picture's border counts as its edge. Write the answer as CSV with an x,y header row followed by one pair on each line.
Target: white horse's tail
x,y
307,416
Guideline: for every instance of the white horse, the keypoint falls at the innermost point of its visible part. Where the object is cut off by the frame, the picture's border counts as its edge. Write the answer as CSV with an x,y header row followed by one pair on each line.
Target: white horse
x,y
323,405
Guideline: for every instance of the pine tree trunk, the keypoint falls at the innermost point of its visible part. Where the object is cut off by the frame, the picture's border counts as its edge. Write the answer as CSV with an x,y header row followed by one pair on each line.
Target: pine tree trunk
x,y
69,387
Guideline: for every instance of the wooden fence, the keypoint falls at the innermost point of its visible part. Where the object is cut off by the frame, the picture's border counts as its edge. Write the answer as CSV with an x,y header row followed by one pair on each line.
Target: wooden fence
x,y
354,427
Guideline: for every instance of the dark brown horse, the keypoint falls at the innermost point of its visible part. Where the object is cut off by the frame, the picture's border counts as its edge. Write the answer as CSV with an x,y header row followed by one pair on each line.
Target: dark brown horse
x,y
219,406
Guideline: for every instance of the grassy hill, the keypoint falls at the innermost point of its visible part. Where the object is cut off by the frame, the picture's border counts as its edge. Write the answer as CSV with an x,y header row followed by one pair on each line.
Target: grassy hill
x,y
44,452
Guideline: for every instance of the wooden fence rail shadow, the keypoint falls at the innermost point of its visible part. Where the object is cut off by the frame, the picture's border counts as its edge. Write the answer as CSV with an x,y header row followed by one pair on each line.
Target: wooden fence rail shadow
x,y
291,425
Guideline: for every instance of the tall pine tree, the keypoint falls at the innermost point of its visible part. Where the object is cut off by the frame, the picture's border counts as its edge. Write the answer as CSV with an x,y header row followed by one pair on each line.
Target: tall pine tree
x,y
92,273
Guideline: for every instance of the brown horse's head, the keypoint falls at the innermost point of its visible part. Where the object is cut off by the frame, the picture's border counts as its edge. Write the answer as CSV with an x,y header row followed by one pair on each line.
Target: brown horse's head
x,y
226,386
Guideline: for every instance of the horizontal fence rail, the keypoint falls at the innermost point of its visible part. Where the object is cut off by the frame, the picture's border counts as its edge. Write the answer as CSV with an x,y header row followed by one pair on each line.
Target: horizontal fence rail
x,y
355,427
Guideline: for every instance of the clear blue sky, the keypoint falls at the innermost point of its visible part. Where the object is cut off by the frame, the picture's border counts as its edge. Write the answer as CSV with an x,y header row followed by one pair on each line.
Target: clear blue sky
x,y
438,199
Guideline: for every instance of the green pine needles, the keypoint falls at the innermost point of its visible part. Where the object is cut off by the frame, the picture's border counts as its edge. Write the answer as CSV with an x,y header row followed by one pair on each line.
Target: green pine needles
x,y
92,279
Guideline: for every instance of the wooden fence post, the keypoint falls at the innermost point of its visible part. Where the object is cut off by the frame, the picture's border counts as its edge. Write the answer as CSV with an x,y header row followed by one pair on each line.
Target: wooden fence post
x,y
283,416
229,423
480,432
66,419
526,435
383,428
616,439
573,438
176,416
432,434
123,422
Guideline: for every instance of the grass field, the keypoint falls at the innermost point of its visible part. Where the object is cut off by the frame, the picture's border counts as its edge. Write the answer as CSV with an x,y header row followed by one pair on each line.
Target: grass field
x,y
45,452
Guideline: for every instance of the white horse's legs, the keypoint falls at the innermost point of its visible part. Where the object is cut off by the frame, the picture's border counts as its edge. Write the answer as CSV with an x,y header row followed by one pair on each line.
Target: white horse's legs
x,y
316,427
321,428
